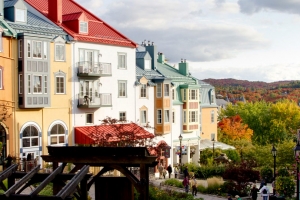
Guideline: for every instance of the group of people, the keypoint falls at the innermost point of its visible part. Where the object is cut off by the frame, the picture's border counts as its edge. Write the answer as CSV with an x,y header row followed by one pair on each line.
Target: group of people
x,y
163,172
189,182
263,190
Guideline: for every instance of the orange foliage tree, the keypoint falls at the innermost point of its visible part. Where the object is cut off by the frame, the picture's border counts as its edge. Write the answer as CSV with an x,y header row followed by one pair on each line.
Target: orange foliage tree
x,y
233,128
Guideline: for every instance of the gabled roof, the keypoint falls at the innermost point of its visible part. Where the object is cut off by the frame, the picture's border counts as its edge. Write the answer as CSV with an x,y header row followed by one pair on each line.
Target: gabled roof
x,y
36,25
140,55
171,72
7,30
99,31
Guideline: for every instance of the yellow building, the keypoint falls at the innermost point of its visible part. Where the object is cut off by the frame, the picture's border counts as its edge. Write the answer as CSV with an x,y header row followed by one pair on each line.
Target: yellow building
x,y
8,44
40,84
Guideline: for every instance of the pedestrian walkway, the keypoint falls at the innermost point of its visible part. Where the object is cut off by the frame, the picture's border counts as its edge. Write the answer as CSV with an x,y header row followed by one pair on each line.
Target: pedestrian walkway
x,y
157,182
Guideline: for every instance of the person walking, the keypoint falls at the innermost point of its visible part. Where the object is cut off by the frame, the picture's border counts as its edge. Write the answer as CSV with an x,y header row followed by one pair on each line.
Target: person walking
x,y
8,161
186,183
169,169
265,192
194,186
160,170
186,172
253,192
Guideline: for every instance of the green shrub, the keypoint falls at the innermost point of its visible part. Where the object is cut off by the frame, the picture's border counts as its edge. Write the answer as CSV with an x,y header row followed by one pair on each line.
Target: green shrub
x,y
157,194
233,155
285,186
267,174
282,171
205,172
174,182
5,184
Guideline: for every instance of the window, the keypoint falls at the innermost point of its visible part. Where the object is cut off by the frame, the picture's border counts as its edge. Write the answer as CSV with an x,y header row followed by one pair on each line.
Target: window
x,y
184,94
159,116
21,84
36,49
1,78
167,116
173,117
173,94
144,91
60,85
122,91
28,48
45,84
193,95
59,52
89,118
158,90
30,137
147,64
122,61
20,48
212,115
184,116
122,116
37,84
29,84
193,116
20,15
212,98
45,50
83,27
166,90
57,134
143,117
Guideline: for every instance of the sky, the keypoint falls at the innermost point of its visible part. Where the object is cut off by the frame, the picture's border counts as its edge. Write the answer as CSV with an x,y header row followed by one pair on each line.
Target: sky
x,y
255,40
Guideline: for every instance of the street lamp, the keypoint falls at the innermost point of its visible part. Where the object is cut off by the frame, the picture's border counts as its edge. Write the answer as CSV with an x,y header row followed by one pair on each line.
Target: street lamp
x,y
213,141
274,151
180,149
296,154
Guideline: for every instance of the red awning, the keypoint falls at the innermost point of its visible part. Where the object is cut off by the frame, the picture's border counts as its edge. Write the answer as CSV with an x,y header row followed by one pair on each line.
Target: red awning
x,y
110,133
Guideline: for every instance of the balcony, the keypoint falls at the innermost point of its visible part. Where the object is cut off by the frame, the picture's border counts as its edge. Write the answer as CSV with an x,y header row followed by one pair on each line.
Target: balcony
x,y
94,100
96,69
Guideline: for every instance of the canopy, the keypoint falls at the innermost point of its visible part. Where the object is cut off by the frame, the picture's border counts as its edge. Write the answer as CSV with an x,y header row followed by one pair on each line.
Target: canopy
x,y
208,144
110,133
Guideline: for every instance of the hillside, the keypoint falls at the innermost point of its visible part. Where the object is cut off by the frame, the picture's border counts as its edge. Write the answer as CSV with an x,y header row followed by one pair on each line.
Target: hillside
x,y
236,90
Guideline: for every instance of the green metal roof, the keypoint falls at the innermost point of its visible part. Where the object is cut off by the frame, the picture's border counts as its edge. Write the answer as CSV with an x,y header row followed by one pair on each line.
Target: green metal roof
x,y
7,30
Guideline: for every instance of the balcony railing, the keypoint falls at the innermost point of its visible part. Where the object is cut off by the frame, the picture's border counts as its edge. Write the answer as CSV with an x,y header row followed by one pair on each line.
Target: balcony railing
x,y
87,68
94,100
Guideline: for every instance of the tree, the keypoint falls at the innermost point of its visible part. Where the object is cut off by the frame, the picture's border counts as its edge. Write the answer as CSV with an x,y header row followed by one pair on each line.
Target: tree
x,y
234,129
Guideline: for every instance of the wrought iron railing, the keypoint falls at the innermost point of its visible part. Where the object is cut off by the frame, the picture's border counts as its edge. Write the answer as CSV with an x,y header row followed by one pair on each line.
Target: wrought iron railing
x,y
94,99
94,68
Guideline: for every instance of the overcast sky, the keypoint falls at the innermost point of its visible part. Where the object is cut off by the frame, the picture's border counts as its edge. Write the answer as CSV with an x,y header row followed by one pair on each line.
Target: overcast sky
x,y
255,40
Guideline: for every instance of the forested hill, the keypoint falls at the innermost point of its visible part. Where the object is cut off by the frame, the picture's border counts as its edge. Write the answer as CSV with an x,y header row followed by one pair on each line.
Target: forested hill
x,y
256,90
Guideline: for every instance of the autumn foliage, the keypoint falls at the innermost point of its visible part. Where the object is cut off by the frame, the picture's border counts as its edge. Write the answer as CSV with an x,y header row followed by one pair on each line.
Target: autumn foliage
x,y
233,128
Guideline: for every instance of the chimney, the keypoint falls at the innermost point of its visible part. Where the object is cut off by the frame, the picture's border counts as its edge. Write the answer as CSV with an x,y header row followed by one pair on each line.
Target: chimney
x,y
161,58
183,67
152,50
55,10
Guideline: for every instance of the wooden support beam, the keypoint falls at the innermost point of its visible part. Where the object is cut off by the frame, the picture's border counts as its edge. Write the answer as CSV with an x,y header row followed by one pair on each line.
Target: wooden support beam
x,y
7,172
47,180
70,187
26,178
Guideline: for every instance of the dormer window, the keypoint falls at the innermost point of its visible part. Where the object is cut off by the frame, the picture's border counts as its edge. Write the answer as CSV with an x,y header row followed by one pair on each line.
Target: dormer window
x,y
20,15
147,65
83,28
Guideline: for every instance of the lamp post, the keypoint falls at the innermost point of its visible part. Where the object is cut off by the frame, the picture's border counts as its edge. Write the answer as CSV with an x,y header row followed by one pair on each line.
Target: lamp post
x,y
180,149
213,141
296,154
274,151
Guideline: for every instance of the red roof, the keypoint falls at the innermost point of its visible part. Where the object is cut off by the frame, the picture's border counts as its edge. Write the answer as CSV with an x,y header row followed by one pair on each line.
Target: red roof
x,y
99,31
110,133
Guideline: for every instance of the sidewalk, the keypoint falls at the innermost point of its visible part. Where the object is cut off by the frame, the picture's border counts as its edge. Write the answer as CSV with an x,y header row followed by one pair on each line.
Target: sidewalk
x,y
157,182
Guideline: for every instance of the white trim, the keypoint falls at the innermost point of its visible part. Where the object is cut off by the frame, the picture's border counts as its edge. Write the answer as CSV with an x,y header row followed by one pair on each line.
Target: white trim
x,y
50,128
